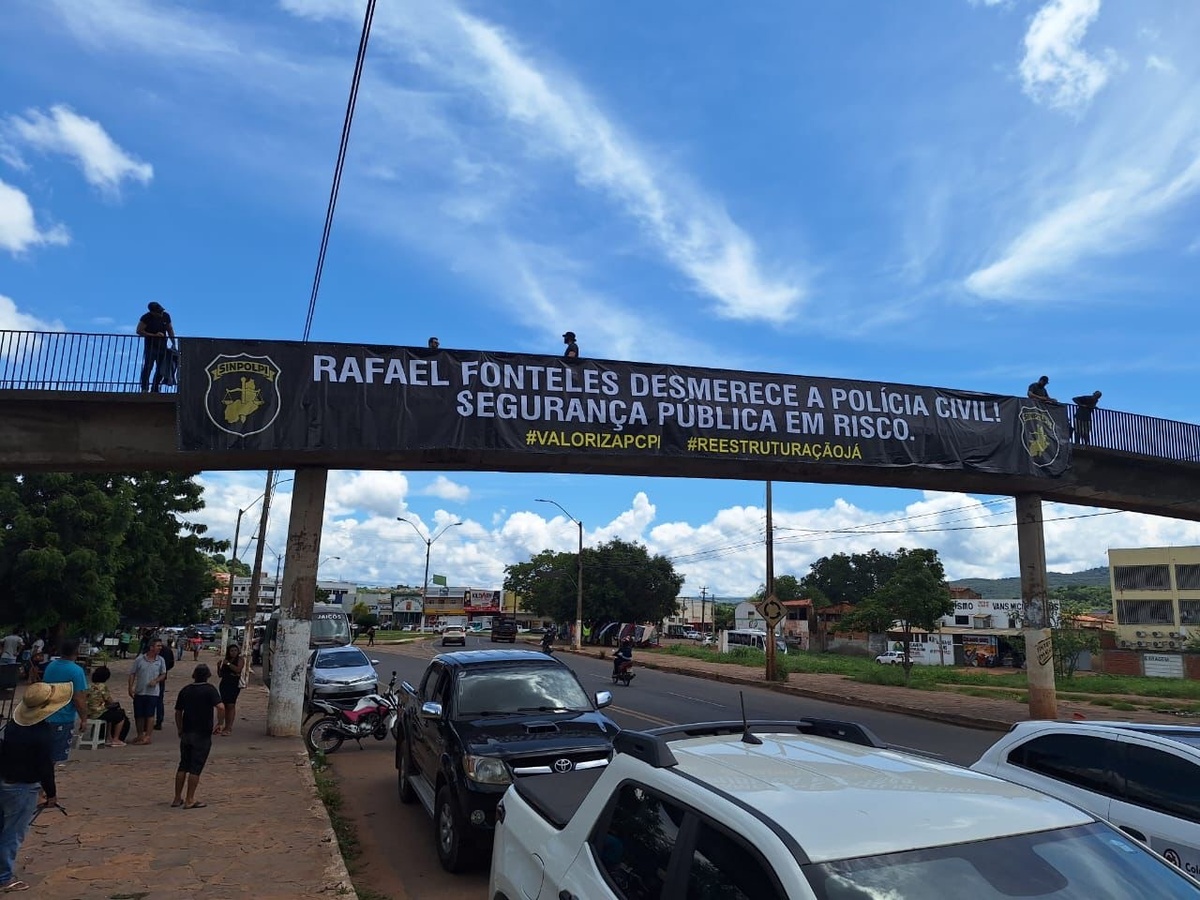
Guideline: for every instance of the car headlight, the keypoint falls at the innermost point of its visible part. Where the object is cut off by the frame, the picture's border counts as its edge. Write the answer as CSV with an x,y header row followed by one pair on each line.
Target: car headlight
x,y
486,770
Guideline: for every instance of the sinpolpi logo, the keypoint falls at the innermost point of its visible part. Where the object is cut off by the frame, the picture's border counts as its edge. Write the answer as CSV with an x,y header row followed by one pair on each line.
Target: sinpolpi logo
x,y
1039,435
243,393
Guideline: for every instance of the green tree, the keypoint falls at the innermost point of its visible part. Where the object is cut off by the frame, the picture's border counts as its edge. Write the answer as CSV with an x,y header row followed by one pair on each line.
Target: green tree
x,y
79,552
787,587
238,568
722,616
1085,596
915,596
848,578
621,582
1070,639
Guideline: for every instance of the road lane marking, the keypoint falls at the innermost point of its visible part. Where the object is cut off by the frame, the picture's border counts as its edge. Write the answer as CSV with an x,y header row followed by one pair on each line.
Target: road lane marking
x,y
696,700
655,720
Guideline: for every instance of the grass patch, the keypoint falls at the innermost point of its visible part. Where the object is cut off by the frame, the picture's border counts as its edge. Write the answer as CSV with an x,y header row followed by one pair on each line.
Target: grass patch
x,y
931,678
343,828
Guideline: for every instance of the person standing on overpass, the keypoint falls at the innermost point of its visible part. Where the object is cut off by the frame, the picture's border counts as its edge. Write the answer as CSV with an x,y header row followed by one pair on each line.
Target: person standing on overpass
x,y
156,330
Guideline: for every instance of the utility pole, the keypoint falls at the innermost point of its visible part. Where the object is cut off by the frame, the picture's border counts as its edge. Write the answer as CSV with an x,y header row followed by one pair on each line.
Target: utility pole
x,y
228,618
428,548
703,603
578,642
770,587
256,575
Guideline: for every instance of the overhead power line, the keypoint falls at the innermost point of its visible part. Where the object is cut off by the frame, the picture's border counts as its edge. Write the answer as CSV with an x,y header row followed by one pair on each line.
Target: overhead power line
x,y
339,165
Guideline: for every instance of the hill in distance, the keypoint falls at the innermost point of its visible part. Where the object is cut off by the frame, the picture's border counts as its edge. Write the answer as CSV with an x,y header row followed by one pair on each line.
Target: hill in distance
x,y
1008,588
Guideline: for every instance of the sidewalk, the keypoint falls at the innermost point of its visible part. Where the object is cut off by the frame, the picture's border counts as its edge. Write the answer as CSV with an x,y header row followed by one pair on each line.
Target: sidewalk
x,y
264,834
941,706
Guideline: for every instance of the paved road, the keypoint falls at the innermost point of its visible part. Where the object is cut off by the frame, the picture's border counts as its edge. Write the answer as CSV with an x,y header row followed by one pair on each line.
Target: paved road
x,y
398,856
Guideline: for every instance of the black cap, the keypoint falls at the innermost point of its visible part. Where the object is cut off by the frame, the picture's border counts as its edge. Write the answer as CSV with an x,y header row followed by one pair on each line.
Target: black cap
x,y
568,336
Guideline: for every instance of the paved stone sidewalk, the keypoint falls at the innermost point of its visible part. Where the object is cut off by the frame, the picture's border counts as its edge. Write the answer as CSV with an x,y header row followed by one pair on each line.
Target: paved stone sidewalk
x,y
264,834
943,706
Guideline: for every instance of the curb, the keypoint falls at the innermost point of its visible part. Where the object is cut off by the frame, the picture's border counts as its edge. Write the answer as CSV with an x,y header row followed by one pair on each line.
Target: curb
x,y
948,718
337,875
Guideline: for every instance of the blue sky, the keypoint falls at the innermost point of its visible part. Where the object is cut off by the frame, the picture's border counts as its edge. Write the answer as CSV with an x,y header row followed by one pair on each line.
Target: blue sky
x,y
955,193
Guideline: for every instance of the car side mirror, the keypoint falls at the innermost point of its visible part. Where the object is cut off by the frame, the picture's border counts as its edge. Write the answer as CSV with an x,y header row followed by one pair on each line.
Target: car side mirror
x,y
603,699
431,710
407,688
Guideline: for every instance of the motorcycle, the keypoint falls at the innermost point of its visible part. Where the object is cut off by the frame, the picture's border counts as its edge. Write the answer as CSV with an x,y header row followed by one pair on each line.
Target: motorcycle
x,y
624,672
548,644
372,716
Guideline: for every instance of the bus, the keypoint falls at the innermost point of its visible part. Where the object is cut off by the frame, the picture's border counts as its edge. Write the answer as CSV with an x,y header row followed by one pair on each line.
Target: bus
x,y
330,628
753,638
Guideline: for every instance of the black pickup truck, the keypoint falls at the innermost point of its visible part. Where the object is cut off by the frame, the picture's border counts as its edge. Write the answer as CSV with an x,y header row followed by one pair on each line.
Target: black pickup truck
x,y
481,719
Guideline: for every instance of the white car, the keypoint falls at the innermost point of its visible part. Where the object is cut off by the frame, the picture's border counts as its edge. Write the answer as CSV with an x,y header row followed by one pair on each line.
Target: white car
x,y
454,634
891,658
1145,779
805,810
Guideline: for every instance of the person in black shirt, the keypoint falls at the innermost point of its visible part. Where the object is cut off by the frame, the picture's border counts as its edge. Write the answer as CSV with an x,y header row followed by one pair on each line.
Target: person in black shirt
x,y
1085,405
156,330
27,764
168,655
572,351
194,709
1037,391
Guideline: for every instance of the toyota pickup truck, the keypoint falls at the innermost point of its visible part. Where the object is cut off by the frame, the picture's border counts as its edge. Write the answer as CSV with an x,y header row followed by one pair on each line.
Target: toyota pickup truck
x,y
806,810
481,720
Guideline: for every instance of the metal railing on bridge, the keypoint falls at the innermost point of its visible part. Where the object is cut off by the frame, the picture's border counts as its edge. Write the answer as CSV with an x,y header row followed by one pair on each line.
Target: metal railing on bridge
x,y
112,364
70,361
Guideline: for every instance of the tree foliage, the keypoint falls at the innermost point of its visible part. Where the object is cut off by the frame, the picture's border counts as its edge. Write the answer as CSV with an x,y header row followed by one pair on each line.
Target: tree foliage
x,y
787,587
915,595
621,582
82,552
1070,639
847,578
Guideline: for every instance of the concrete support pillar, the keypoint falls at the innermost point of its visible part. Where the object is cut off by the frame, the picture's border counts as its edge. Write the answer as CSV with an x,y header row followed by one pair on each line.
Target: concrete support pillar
x,y
285,710
1039,656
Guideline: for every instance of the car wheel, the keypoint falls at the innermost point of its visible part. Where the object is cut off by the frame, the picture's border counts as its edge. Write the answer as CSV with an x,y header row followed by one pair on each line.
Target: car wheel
x,y
449,832
404,773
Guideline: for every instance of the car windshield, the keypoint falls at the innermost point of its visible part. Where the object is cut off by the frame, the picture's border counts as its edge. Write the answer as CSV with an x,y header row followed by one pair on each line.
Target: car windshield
x,y
342,659
330,628
504,691
1088,862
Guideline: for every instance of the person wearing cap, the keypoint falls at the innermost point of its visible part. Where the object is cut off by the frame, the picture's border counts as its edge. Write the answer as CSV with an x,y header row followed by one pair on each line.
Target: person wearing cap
x,y
27,765
156,330
434,343
572,351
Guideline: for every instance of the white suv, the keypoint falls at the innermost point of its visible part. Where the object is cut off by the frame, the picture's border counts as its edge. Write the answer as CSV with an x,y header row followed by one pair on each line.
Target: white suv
x,y
891,658
805,810
1145,779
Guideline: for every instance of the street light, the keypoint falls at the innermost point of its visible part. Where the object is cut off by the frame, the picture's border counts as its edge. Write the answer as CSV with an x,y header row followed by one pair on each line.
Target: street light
x,y
237,534
578,641
428,548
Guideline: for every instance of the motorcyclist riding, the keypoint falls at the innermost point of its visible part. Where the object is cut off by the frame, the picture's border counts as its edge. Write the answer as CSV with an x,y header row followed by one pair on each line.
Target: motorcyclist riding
x,y
623,653
547,640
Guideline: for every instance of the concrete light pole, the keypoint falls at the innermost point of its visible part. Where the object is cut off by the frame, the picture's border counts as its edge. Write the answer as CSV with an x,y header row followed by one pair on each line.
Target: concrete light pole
x,y
577,643
428,548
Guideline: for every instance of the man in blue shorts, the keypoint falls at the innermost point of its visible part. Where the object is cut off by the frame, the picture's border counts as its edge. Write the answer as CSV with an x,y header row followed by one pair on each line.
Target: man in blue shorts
x,y
149,671
64,670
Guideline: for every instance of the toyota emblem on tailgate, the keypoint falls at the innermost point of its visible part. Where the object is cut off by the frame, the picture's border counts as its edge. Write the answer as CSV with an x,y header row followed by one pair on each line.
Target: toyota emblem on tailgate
x,y
563,765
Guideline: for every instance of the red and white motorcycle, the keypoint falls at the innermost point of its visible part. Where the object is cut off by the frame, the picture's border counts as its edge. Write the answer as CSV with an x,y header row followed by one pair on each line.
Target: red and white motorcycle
x,y
373,716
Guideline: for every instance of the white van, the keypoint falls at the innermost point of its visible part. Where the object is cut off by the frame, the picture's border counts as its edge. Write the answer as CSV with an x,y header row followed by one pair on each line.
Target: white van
x,y
1145,779
330,628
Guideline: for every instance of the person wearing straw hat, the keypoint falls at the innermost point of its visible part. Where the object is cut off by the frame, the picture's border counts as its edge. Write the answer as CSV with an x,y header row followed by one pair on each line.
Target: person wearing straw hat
x,y
27,764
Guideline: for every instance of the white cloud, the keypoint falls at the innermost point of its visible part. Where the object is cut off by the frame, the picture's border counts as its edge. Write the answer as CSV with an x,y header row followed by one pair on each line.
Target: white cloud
x,y
103,163
1056,71
12,319
1156,63
558,119
19,230
1112,218
445,489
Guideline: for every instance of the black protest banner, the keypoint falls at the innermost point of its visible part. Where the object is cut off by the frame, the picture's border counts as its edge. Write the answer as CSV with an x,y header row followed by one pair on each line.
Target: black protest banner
x,y
276,395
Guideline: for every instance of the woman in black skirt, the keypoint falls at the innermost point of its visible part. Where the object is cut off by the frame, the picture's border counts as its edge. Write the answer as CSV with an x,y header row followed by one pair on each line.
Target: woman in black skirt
x,y
230,672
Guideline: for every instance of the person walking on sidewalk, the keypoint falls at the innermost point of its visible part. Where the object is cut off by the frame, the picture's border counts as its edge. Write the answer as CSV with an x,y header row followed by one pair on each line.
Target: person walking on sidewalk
x,y
27,764
194,721
149,671
168,658
65,670
230,673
